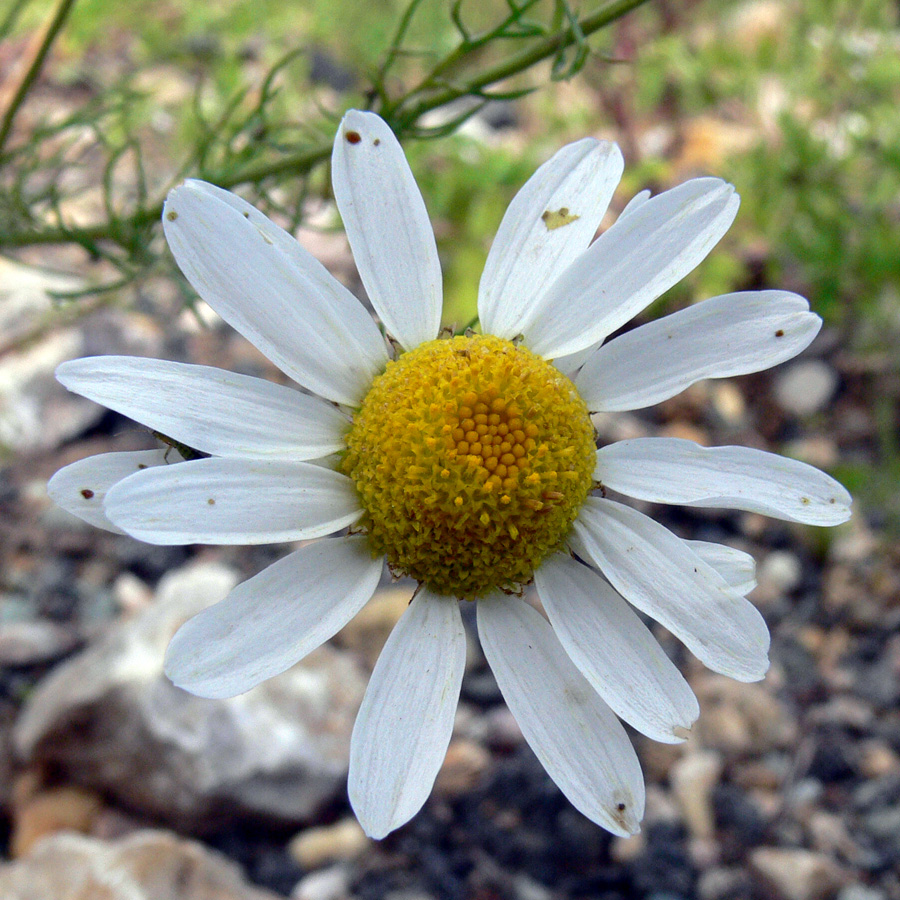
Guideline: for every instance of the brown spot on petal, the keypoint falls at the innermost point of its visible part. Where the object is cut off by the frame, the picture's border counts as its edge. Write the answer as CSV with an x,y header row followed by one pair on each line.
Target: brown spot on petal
x,y
779,333
211,501
353,137
558,218
171,215
87,493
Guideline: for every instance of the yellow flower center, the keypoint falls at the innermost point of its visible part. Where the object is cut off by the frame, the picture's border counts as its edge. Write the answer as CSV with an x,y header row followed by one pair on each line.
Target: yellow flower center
x,y
472,457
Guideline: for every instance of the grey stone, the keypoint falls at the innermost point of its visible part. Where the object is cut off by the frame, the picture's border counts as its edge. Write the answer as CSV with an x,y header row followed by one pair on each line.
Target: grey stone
x,y
693,778
110,719
806,387
37,413
34,642
861,892
332,883
796,874
148,865
721,883
779,573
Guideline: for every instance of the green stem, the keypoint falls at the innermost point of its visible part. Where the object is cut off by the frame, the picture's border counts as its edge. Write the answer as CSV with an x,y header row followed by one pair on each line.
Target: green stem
x,y
12,16
306,160
542,50
56,24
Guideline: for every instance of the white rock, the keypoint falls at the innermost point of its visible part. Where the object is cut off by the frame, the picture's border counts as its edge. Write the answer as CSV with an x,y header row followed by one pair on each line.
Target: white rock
x,y
806,387
148,865
314,847
693,778
327,884
279,751
796,874
780,571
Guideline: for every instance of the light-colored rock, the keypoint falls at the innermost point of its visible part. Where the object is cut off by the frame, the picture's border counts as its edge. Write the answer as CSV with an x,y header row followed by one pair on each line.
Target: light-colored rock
x,y
149,865
830,835
728,402
36,413
315,847
131,594
741,718
806,387
50,811
627,849
861,892
502,731
796,874
525,888
878,759
110,718
777,575
366,633
693,778
818,450
466,761
332,883
25,295
722,883
33,642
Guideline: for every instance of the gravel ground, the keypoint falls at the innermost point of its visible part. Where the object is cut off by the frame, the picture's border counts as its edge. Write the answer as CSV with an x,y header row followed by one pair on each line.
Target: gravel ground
x,y
787,789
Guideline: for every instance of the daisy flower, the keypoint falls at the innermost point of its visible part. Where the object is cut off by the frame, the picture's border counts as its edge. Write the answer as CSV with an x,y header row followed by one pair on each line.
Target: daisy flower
x,y
468,463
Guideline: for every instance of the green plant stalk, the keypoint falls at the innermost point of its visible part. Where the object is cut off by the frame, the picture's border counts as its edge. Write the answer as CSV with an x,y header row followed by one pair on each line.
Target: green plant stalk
x,y
56,24
120,230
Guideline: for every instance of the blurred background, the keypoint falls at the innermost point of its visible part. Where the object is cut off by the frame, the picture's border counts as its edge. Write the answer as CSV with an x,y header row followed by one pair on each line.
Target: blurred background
x,y
113,783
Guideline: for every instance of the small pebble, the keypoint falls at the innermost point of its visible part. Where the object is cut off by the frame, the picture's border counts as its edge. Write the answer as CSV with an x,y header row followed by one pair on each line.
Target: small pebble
x,y
861,892
315,847
332,883
806,387
464,764
796,874
693,778
50,811
720,883
779,573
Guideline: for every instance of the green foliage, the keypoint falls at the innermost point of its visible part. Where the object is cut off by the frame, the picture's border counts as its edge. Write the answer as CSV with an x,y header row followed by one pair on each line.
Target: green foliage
x,y
227,92
819,83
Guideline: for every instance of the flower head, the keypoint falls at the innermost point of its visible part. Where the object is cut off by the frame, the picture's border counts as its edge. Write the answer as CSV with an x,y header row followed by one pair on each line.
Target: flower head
x,y
467,462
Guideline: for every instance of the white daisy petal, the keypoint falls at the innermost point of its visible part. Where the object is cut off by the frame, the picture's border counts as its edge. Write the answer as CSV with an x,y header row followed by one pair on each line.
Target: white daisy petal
x,y
388,228
404,724
272,621
574,734
673,470
572,362
734,334
660,575
635,203
615,651
209,409
549,223
264,284
630,265
233,501
80,488
735,566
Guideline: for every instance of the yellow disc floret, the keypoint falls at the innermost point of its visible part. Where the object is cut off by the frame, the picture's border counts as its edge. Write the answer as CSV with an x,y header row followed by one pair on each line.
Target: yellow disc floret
x,y
472,457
